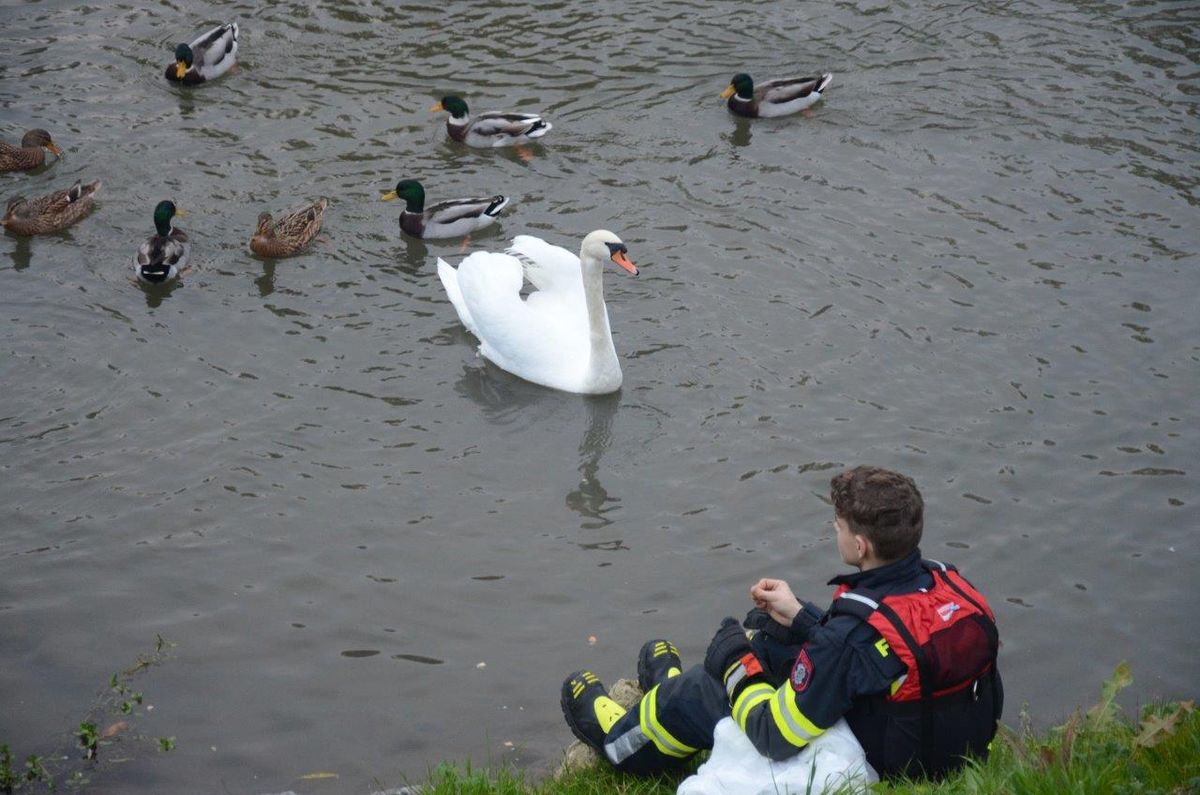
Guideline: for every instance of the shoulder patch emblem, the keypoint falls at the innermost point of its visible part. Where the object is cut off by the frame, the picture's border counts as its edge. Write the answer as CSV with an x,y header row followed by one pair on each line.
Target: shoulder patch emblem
x,y
802,672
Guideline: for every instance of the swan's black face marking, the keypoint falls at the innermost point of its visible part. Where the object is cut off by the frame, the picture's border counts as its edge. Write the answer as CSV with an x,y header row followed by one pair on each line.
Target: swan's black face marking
x,y
613,248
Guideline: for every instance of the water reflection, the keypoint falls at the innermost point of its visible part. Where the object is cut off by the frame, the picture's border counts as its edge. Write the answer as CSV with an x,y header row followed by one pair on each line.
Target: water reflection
x,y
505,398
266,282
187,102
414,257
590,499
741,132
501,395
157,293
22,254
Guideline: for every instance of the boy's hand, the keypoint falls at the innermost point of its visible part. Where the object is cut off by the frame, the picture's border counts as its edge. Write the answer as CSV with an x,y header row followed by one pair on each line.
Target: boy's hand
x,y
776,597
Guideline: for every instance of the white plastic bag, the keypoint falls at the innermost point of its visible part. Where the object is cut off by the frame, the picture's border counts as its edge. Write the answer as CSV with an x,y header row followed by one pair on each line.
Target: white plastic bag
x,y
832,760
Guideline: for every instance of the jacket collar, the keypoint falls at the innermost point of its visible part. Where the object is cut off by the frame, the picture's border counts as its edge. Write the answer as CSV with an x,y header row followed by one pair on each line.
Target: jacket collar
x,y
898,572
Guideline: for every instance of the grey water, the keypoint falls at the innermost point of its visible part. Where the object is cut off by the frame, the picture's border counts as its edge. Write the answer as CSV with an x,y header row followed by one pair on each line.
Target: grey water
x,y
974,261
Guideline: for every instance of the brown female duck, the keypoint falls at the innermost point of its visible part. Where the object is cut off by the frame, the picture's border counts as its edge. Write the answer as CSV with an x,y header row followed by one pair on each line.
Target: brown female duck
x,y
50,213
291,234
30,154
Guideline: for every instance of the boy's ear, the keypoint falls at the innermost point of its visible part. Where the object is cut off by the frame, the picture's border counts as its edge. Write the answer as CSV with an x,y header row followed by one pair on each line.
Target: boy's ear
x,y
864,546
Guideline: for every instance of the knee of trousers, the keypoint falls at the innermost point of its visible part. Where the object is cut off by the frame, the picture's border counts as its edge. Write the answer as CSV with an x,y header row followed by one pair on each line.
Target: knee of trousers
x,y
630,747
672,721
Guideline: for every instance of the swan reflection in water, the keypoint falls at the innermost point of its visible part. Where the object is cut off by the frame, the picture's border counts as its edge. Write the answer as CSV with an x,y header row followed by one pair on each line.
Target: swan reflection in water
x,y
508,400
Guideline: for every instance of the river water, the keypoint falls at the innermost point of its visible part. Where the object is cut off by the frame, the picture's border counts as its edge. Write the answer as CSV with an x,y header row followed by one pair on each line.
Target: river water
x,y
975,261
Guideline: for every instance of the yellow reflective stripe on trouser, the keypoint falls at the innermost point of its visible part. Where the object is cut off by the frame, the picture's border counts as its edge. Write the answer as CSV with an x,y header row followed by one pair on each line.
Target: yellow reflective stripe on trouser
x,y
748,699
790,721
662,739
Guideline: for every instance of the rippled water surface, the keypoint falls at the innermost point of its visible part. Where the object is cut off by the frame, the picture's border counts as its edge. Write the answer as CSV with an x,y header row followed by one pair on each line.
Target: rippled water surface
x,y
975,261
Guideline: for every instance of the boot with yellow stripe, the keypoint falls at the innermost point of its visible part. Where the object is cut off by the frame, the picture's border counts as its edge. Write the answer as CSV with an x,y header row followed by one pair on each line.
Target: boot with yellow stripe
x,y
657,661
589,711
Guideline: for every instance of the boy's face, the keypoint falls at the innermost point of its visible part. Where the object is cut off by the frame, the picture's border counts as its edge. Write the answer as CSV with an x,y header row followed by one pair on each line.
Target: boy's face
x,y
846,542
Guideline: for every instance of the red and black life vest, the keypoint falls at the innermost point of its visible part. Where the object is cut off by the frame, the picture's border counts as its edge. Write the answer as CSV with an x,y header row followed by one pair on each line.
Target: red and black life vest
x,y
946,636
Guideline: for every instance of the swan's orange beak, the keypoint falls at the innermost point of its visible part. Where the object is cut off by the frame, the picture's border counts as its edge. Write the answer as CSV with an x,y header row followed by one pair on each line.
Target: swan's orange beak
x,y
728,92
180,70
625,262
437,108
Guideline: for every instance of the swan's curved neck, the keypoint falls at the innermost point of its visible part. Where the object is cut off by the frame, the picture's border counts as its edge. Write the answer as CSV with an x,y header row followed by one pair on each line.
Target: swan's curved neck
x,y
601,353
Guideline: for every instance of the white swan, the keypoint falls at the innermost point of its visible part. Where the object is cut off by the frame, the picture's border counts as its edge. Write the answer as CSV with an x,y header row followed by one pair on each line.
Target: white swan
x,y
557,337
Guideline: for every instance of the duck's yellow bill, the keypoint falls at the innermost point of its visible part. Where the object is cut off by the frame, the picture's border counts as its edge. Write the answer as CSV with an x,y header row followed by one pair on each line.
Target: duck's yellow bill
x,y
180,212
390,196
53,147
437,108
728,92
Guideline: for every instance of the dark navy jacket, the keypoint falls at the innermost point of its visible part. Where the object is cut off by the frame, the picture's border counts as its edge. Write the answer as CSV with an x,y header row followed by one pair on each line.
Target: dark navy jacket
x,y
837,659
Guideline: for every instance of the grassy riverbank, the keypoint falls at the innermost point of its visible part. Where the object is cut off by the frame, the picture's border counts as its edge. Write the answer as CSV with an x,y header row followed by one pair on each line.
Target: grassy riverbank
x,y
1101,750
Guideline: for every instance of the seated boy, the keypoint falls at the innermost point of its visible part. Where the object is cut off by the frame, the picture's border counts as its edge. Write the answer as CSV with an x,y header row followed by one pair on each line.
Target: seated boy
x,y
906,654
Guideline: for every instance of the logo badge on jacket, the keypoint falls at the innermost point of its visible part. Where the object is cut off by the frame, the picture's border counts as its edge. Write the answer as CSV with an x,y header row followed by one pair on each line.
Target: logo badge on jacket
x,y
802,672
947,610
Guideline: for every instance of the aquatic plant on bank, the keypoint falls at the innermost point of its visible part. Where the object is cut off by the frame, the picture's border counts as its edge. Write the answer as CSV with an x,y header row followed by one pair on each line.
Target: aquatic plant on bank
x,y
108,720
1098,751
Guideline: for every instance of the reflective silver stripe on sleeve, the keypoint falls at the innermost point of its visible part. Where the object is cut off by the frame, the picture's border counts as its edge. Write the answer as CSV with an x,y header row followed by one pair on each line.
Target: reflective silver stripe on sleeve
x,y
940,565
871,603
784,709
735,679
626,745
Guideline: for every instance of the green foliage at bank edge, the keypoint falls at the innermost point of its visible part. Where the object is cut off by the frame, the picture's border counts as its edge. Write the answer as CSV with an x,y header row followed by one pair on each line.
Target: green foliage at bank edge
x,y
72,768
1099,751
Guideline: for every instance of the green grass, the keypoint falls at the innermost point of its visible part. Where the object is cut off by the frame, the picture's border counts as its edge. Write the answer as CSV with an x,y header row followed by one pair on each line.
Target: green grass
x,y
1098,752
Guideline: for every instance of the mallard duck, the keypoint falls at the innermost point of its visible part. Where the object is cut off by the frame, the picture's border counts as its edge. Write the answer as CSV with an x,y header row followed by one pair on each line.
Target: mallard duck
x,y
774,97
206,58
557,337
492,128
30,154
451,218
291,233
165,255
50,213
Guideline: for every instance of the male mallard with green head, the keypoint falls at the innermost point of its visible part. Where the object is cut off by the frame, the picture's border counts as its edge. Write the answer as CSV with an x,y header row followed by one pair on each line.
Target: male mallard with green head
x,y
775,97
290,233
164,256
451,218
492,128
50,213
207,58
30,154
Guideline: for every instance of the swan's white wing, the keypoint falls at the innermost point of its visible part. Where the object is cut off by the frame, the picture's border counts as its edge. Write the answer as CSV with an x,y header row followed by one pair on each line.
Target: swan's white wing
x,y
543,340
548,268
449,278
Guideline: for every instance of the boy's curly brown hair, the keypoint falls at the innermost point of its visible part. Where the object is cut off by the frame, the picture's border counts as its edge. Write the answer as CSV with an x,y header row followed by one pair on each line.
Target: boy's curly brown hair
x,y
882,505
